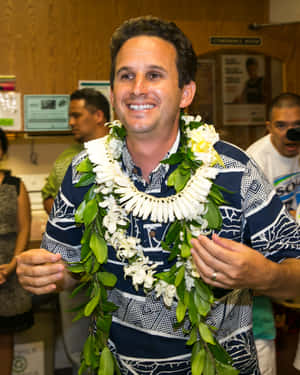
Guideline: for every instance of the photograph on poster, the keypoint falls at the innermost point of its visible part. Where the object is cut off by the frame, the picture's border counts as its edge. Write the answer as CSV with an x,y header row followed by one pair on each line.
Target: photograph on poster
x,y
243,89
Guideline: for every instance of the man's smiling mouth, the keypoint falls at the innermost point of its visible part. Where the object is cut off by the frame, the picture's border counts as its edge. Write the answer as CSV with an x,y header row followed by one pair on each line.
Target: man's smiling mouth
x,y
140,107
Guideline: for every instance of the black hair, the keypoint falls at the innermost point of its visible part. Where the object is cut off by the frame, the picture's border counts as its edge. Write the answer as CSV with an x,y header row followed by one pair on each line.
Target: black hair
x,y
284,100
3,142
94,100
251,61
186,59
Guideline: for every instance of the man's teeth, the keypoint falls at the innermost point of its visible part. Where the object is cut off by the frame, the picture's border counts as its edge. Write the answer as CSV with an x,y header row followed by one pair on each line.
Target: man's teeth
x,y
140,107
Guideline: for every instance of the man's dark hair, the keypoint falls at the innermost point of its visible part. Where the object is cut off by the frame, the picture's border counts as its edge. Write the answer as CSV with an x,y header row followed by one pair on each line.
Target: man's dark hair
x,y
284,100
94,100
3,142
186,60
251,61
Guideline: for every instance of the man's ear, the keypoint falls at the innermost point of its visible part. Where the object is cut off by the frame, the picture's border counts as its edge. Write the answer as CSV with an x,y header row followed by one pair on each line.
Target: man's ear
x,y
99,116
188,93
268,126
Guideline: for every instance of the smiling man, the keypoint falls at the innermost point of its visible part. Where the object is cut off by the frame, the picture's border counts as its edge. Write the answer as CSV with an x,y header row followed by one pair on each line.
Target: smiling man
x,y
153,69
279,158
275,153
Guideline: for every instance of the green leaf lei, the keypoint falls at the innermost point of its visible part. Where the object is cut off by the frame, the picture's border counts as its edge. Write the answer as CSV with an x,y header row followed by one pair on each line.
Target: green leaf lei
x,y
194,302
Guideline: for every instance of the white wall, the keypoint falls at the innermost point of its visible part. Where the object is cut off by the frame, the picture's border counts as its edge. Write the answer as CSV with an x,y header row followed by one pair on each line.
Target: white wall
x,y
287,11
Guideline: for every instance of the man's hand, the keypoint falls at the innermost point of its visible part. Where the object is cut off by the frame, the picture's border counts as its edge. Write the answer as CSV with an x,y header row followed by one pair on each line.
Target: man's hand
x,y
228,264
41,272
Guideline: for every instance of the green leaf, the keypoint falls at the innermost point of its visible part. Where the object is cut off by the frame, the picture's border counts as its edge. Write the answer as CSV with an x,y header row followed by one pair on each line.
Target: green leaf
x,y
209,367
107,279
90,212
192,310
204,291
88,264
202,305
104,323
174,158
173,232
90,307
224,369
186,298
86,179
76,268
79,212
193,336
206,333
85,251
85,166
180,311
106,364
78,316
109,307
213,215
220,353
181,180
82,368
179,276
185,250
87,350
77,289
198,362
181,290
99,247
196,348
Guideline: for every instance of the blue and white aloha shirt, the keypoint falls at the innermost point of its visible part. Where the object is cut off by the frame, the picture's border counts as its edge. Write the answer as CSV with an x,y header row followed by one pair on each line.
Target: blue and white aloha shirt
x,y
142,334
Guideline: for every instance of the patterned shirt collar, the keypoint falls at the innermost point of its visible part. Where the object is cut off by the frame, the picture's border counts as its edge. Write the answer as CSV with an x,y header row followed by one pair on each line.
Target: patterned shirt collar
x,y
159,173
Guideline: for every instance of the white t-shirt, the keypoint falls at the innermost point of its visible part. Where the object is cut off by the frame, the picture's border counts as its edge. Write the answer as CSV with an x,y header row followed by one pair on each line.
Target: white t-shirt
x,y
281,171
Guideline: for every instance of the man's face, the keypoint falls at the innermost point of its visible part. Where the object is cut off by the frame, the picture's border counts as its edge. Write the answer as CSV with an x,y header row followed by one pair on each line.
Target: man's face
x,y
145,94
284,119
252,70
83,123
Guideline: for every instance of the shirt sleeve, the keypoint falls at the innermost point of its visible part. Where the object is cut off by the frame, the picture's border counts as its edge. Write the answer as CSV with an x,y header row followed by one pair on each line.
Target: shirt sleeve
x,y
62,234
51,186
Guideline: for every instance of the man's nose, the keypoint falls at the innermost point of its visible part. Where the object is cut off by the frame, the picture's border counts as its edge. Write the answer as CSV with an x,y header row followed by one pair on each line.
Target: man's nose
x,y
139,85
71,121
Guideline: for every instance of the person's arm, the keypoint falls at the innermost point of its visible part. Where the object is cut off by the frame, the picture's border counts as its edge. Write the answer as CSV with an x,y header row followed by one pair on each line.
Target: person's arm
x,y
228,264
24,223
48,203
40,272
50,189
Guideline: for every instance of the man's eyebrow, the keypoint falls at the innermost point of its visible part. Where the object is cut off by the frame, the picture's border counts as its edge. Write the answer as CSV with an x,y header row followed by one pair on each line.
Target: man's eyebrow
x,y
148,67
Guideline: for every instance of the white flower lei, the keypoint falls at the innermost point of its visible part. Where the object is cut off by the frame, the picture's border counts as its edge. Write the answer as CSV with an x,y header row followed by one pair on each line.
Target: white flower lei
x,y
121,197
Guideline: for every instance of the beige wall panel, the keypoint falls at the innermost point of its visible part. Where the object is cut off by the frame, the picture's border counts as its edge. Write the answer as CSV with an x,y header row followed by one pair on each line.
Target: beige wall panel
x,y
51,44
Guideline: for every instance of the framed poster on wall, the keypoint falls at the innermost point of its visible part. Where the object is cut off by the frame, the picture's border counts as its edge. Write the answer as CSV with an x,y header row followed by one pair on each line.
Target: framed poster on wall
x,y
243,89
102,86
46,113
10,111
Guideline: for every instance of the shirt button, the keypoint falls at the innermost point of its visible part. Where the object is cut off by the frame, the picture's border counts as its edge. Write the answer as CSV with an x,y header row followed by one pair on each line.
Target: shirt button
x,y
152,233
135,171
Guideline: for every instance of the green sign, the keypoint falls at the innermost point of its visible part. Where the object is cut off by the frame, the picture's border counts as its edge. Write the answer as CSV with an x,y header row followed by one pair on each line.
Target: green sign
x,y
6,122
235,41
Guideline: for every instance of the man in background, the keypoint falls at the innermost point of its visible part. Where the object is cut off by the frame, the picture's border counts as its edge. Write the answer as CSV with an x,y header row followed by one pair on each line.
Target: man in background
x,y
88,112
278,157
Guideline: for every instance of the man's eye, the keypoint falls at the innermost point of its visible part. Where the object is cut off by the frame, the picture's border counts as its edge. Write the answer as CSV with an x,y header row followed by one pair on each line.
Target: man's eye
x,y
126,76
280,126
154,75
